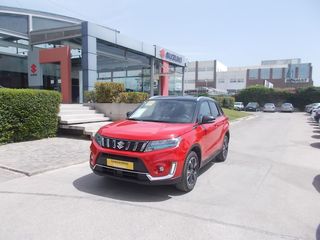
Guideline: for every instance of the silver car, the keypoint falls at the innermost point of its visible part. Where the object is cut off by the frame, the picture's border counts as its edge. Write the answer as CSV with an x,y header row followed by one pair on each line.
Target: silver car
x,y
287,107
269,107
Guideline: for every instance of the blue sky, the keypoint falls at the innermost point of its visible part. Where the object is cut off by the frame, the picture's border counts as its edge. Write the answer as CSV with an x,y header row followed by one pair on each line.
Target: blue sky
x,y
237,33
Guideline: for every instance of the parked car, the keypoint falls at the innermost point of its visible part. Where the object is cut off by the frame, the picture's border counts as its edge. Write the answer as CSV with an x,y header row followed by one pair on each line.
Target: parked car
x,y
316,116
164,141
287,107
269,107
314,111
238,106
308,108
252,106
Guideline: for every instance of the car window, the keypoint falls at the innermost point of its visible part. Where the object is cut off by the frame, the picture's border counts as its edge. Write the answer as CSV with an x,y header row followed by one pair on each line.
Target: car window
x,y
214,109
204,110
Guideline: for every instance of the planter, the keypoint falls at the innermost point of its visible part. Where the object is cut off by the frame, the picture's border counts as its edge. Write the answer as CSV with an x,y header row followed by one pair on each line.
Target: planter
x,y
115,111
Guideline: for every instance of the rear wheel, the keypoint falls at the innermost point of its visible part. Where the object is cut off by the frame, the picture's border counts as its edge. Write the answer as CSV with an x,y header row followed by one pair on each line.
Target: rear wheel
x,y
190,173
224,153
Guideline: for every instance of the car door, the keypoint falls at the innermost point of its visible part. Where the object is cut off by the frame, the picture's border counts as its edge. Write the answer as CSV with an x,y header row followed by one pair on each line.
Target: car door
x,y
208,129
220,122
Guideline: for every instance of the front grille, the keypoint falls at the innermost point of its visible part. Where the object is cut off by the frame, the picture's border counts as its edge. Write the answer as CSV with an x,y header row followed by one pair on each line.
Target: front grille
x,y
125,145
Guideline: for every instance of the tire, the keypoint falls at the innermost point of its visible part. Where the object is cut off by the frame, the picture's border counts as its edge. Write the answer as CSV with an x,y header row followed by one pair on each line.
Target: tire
x,y
190,173
222,156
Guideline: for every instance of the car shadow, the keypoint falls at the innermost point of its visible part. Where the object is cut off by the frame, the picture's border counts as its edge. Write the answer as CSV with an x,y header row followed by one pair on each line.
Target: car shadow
x,y
318,233
316,136
127,191
316,131
315,145
316,183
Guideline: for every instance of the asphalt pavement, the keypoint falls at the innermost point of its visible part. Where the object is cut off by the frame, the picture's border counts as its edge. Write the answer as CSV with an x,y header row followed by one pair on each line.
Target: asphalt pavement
x,y
269,188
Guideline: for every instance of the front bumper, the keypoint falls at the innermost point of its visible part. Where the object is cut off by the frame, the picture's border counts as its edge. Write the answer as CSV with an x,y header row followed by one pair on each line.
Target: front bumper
x,y
132,176
145,165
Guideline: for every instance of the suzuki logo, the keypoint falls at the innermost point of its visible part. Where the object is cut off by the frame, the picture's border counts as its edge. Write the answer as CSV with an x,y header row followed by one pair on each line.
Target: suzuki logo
x,y
162,53
120,144
33,68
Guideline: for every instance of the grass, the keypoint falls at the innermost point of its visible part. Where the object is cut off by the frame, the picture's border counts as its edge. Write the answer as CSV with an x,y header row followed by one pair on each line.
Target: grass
x,y
233,114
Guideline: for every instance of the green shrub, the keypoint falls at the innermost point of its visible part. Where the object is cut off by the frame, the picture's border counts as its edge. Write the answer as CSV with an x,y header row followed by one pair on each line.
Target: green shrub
x,y
107,92
305,96
27,114
225,101
132,97
299,98
90,96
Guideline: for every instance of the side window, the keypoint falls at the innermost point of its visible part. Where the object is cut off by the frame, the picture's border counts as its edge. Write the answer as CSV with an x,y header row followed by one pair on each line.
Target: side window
x,y
204,110
214,109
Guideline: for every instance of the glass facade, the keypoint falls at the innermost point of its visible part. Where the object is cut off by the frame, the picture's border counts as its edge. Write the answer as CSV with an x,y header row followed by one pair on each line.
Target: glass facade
x,y
39,23
116,64
265,73
276,73
13,71
13,22
253,74
175,80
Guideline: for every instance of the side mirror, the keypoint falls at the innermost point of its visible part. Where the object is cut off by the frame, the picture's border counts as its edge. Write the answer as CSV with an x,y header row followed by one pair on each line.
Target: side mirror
x,y
207,119
128,114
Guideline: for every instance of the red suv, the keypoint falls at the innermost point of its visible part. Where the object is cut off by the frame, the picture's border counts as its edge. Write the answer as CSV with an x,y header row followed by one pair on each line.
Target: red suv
x,y
166,140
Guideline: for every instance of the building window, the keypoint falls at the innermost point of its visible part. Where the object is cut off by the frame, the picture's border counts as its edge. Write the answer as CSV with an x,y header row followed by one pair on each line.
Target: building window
x,y
276,73
304,71
265,73
44,23
12,22
253,74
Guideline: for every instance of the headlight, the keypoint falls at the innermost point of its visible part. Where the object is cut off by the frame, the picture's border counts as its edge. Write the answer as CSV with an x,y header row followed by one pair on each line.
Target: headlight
x,y
99,139
162,144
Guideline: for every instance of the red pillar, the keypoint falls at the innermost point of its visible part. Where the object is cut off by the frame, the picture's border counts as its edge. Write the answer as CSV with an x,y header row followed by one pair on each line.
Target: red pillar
x,y
165,79
60,55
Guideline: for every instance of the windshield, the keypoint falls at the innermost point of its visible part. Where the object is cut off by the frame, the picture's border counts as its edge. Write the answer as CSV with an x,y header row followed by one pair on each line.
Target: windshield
x,y
287,105
172,111
238,103
252,104
269,105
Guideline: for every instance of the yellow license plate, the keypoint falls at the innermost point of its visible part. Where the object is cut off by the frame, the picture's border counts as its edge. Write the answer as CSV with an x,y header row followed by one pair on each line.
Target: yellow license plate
x,y
119,164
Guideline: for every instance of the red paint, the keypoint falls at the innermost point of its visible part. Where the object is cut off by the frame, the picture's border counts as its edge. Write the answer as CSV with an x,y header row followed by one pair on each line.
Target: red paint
x,y
165,79
209,137
60,55
34,68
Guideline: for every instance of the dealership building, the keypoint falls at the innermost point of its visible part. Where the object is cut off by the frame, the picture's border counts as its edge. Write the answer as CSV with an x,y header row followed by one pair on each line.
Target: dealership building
x,y
48,51
280,73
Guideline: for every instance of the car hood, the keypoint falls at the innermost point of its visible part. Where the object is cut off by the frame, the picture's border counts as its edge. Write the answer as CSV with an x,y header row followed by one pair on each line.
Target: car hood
x,y
139,130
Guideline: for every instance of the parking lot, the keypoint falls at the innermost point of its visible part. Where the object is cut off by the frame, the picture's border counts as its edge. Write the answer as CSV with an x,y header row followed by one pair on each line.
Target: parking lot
x,y
269,188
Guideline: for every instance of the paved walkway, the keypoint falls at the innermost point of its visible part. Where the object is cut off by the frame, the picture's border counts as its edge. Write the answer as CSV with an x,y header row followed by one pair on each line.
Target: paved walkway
x,y
34,157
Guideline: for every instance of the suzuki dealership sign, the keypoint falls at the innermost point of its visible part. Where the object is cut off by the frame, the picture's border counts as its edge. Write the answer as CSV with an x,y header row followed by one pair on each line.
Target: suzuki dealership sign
x,y
170,56
34,69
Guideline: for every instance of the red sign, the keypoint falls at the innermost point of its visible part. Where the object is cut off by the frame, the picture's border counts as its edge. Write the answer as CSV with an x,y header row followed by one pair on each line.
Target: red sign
x,y
162,53
33,68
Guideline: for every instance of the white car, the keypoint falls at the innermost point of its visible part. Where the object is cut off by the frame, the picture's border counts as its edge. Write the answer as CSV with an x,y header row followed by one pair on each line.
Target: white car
x,y
269,107
238,106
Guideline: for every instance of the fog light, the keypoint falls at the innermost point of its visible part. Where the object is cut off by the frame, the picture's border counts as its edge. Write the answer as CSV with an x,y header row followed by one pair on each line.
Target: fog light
x,y
160,168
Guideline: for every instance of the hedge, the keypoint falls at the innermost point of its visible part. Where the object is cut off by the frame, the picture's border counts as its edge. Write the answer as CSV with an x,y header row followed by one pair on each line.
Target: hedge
x,y
225,101
299,98
108,92
27,114
132,97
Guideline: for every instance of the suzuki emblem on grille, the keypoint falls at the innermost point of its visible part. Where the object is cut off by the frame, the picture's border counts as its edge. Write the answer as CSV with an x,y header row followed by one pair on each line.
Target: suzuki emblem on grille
x,y
120,145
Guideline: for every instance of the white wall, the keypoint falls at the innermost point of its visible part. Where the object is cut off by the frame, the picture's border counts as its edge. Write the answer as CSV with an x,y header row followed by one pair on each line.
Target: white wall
x,y
232,79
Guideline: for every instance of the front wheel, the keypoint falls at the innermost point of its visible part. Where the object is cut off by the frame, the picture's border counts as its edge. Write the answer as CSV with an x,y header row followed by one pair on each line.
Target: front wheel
x,y
224,153
190,173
